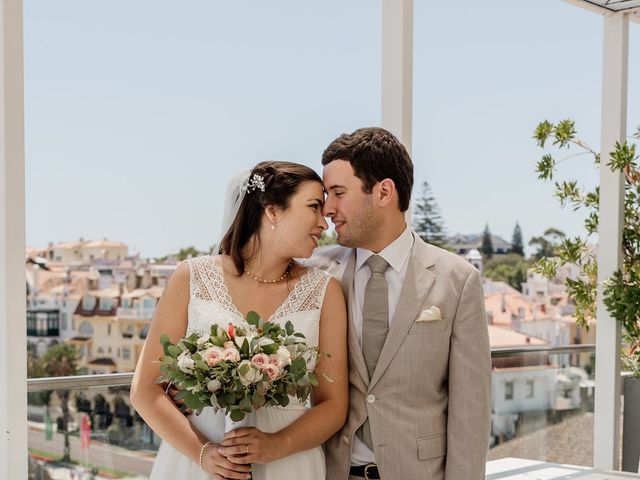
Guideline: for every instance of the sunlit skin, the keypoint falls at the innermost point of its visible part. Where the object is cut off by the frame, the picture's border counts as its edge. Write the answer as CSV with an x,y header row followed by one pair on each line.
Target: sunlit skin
x,y
296,231
362,220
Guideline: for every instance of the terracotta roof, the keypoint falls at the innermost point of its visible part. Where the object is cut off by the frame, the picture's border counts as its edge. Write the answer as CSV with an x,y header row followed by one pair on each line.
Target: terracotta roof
x,y
504,337
104,244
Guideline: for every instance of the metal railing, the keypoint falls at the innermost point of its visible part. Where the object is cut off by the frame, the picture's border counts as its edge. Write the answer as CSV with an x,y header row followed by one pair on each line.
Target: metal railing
x,y
120,379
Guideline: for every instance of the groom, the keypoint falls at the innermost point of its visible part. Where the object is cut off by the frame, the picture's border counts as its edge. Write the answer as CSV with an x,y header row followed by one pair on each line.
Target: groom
x,y
419,361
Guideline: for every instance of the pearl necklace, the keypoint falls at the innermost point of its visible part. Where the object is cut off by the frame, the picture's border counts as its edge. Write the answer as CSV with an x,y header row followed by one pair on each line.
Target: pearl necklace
x,y
277,280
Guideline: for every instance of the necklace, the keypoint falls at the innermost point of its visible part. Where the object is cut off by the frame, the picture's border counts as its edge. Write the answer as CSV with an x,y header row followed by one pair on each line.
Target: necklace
x,y
277,280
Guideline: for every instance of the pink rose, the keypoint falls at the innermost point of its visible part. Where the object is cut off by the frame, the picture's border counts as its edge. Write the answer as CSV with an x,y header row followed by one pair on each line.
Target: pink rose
x,y
274,359
212,356
231,354
260,360
272,371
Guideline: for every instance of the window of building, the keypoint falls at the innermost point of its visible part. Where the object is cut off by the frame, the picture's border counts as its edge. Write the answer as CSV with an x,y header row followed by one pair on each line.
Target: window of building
x,y
108,329
86,328
126,353
148,303
529,389
144,331
88,302
106,303
129,332
64,321
508,390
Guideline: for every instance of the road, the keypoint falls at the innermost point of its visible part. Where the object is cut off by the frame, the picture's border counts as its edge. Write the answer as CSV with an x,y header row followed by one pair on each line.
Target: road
x,y
99,454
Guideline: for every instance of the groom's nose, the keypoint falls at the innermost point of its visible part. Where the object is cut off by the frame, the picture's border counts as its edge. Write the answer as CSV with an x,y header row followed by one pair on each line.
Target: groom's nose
x,y
328,209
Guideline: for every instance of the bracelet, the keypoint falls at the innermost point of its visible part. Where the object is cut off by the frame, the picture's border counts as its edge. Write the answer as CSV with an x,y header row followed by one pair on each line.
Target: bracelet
x,y
204,447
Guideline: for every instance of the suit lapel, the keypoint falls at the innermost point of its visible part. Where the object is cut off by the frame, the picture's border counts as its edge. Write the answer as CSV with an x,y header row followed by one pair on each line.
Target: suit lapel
x,y
417,283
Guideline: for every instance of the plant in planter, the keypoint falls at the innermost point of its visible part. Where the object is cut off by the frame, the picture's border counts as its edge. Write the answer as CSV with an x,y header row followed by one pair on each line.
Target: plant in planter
x,y
621,290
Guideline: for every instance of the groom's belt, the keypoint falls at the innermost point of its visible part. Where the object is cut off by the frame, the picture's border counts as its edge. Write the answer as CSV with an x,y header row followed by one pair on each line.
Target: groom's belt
x,y
369,471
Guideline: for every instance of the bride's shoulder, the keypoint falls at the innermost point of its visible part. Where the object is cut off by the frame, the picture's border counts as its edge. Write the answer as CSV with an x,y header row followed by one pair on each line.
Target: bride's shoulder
x,y
299,270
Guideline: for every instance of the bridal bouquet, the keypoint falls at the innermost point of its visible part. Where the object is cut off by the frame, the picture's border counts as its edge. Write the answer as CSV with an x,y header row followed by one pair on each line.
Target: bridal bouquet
x,y
241,368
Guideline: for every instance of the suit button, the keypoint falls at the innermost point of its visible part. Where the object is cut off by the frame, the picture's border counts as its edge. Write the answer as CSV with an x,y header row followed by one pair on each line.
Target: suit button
x,y
345,438
371,398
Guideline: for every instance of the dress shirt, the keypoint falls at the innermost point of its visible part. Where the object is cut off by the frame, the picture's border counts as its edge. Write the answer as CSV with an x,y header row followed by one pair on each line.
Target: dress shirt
x,y
397,255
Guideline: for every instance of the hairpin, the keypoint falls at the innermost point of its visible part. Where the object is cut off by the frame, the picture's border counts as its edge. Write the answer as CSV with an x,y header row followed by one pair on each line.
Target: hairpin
x,y
256,182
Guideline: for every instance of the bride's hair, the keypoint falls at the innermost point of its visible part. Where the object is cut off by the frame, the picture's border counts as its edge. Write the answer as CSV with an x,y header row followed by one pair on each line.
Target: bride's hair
x,y
281,182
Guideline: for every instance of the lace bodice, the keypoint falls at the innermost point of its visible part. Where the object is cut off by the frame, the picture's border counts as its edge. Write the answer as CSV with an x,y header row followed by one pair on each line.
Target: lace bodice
x,y
211,303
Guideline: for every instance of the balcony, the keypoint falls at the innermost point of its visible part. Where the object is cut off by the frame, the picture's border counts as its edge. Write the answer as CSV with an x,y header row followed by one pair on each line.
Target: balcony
x,y
544,415
134,313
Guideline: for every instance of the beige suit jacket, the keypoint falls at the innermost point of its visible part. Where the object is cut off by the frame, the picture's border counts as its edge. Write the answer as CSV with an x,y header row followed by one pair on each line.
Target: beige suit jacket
x,y
429,398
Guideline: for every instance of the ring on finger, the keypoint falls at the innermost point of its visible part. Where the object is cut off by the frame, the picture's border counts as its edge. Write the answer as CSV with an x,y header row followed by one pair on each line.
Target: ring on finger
x,y
246,449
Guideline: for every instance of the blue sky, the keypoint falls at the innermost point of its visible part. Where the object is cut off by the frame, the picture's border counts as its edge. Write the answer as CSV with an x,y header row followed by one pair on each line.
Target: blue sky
x,y
138,112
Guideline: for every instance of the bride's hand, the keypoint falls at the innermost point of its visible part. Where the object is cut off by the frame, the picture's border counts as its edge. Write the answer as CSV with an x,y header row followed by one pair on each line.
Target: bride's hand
x,y
249,445
217,465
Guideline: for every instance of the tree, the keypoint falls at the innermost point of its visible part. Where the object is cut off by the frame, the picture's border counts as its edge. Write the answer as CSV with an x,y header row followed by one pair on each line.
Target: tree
x,y
516,241
428,218
61,361
511,268
185,253
621,291
548,243
487,244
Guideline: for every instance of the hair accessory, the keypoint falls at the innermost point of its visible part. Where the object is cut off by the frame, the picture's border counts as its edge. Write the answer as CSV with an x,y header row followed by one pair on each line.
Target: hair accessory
x,y
256,182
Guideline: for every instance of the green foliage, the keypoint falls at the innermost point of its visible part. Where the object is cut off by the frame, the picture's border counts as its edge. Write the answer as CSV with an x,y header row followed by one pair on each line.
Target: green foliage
x,y
621,291
516,241
428,221
59,361
487,245
511,268
547,244
328,239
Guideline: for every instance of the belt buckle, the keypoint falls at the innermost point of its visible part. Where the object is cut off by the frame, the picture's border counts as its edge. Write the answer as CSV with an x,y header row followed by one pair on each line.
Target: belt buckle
x,y
366,470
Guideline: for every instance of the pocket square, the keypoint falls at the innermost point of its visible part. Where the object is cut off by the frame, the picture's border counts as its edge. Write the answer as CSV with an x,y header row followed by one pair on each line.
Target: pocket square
x,y
430,314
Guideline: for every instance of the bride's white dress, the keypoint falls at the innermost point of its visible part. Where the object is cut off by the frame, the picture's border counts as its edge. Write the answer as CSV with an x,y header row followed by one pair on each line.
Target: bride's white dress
x,y
210,303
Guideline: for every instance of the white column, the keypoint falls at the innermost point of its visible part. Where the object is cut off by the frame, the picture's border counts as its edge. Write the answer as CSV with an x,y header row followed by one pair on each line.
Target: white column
x,y
397,68
614,125
13,346
397,71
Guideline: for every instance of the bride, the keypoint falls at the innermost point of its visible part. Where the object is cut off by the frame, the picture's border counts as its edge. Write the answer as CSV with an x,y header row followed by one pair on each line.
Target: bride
x,y
277,217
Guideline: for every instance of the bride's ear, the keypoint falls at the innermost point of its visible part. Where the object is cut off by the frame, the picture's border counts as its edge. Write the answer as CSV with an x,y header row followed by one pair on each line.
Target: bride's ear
x,y
270,212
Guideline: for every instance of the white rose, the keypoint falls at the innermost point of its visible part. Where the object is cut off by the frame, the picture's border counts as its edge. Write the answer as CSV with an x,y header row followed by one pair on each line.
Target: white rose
x,y
214,385
248,373
285,355
202,339
185,362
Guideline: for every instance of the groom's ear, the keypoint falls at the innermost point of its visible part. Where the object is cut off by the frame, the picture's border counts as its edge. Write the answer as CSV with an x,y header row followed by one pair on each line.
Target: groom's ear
x,y
385,192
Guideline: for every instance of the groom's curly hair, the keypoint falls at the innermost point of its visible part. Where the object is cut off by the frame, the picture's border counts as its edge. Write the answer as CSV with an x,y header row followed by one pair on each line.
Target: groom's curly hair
x,y
375,154
281,182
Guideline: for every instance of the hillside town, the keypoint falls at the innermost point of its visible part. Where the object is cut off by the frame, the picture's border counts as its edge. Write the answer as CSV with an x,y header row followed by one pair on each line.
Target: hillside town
x,y
96,297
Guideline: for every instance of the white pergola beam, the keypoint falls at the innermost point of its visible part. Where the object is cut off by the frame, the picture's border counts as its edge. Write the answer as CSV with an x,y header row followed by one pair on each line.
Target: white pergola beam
x,y
13,334
397,68
606,432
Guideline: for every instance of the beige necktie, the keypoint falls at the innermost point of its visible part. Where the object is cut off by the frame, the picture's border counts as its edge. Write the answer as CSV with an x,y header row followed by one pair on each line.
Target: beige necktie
x,y
375,323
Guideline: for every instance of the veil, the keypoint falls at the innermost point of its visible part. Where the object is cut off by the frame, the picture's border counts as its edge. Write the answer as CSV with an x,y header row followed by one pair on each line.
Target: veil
x,y
236,190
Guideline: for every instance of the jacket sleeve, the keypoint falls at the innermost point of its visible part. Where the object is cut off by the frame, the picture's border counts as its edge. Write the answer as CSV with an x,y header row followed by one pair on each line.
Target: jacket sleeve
x,y
469,410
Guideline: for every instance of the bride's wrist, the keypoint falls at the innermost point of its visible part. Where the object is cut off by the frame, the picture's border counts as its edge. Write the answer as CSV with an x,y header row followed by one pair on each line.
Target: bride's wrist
x,y
282,444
